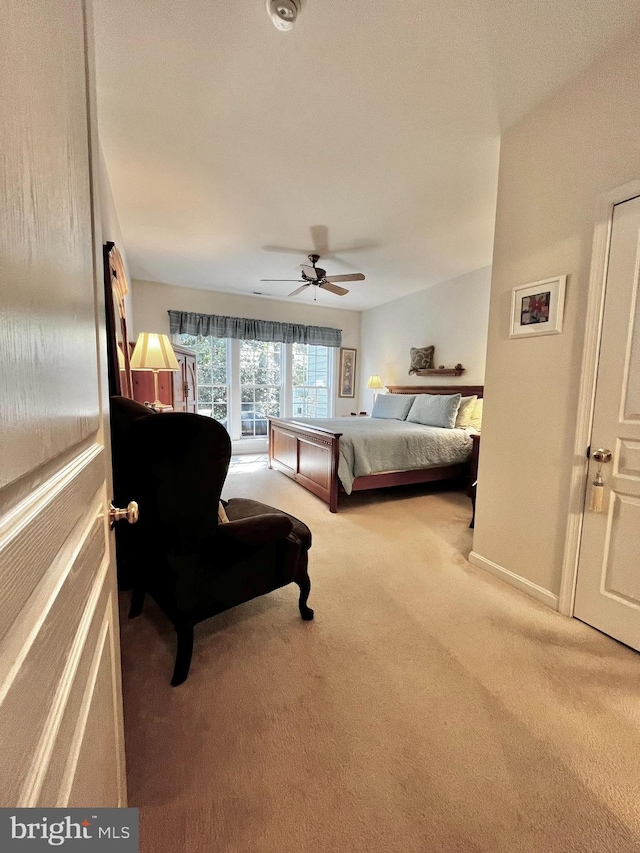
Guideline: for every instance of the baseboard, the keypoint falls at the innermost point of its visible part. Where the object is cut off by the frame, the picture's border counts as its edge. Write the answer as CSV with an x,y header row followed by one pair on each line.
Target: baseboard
x,y
524,585
250,445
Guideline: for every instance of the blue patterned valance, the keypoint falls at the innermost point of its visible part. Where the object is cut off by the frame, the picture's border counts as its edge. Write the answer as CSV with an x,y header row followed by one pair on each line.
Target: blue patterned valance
x,y
215,326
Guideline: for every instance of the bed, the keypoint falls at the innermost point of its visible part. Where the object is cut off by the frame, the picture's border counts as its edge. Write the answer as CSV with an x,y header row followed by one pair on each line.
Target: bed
x,y
310,451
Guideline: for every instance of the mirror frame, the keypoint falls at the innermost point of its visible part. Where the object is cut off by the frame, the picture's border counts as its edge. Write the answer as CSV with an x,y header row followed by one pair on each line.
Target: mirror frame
x,y
116,288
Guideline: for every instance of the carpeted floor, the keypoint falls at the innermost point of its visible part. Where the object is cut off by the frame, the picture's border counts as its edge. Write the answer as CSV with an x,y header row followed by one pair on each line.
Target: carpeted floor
x,y
428,708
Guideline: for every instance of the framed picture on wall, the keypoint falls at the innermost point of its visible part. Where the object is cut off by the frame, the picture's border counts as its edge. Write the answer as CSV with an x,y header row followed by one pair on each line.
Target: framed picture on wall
x,y
537,308
347,381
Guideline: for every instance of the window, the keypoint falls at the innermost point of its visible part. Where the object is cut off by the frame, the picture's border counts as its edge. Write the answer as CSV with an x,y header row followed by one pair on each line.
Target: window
x,y
242,383
260,385
213,375
310,381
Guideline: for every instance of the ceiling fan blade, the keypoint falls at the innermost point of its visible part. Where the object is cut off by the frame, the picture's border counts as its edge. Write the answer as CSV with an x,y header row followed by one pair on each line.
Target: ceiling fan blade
x,y
358,246
333,288
299,290
329,256
320,238
280,279
310,271
356,276
285,250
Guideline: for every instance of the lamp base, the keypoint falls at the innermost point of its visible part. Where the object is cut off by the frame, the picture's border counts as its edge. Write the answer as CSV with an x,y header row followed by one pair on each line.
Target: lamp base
x,y
158,404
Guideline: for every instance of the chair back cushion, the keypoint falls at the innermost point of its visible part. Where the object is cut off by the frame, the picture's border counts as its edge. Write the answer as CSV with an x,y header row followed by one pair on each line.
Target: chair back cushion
x,y
124,413
181,464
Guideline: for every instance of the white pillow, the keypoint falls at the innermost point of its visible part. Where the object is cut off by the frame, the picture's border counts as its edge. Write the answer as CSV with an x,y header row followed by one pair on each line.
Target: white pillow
x,y
465,412
476,417
438,410
392,406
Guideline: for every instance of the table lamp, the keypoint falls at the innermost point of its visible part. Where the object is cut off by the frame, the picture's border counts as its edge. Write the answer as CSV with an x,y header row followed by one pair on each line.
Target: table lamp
x,y
154,352
375,383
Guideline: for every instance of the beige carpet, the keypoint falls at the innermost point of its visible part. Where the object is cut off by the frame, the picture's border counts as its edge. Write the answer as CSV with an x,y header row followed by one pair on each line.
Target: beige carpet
x,y
429,708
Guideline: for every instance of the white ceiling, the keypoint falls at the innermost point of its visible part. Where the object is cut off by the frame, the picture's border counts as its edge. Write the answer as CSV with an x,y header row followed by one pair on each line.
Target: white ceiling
x,y
374,123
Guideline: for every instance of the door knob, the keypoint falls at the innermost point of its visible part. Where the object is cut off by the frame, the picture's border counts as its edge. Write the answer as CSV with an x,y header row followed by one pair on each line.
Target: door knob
x,y
602,455
131,513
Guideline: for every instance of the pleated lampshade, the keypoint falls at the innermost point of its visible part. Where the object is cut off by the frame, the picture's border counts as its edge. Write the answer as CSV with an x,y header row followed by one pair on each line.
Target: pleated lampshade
x,y
153,352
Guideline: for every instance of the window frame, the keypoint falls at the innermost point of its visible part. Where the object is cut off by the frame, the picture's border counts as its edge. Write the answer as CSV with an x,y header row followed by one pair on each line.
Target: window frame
x,y
234,387
329,386
177,339
237,402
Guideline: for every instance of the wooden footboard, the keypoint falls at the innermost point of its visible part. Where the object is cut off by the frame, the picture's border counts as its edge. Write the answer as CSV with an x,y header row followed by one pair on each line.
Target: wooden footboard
x,y
310,454
307,454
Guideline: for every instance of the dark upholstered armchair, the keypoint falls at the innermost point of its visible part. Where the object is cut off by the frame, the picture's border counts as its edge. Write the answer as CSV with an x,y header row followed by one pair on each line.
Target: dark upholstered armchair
x,y
194,567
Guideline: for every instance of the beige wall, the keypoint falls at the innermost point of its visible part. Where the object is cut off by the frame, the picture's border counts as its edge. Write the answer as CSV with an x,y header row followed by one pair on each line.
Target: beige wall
x,y
151,301
553,166
110,223
452,316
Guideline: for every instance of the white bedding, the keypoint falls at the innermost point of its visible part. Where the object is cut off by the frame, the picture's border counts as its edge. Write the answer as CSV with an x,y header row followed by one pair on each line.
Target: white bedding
x,y
377,445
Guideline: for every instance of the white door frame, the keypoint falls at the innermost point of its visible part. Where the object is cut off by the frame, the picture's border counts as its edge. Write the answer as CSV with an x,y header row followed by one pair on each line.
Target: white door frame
x,y
587,393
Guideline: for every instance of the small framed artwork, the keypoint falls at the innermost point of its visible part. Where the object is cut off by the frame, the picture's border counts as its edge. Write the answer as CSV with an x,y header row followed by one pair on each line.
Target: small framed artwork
x,y
347,381
537,308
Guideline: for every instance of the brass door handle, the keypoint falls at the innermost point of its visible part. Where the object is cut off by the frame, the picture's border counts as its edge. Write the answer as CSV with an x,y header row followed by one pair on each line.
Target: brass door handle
x,y
602,455
131,513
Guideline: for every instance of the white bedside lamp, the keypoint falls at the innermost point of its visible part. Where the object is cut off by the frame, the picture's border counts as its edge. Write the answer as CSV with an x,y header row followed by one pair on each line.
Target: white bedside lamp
x,y
154,352
375,383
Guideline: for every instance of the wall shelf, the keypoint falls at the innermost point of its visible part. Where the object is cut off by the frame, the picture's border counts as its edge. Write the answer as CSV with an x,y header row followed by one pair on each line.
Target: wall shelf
x,y
445,371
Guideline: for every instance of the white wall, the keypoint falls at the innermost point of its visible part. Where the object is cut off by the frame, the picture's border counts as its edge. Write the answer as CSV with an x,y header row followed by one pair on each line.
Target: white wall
x,y
452,316
151,301
554,164
111,227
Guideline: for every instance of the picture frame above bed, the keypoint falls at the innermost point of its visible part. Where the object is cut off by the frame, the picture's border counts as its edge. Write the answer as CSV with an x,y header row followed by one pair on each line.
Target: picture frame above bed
x,y
347,378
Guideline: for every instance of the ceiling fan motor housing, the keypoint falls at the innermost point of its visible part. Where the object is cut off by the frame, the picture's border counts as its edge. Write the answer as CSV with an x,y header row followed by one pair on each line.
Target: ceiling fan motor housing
x,y
283,13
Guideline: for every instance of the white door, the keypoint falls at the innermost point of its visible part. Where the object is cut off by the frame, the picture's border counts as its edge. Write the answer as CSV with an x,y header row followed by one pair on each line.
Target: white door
x,y
608,589
60,693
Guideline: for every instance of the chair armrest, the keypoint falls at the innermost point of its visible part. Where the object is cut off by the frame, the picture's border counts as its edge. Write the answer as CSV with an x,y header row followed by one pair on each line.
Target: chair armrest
x,y
257,529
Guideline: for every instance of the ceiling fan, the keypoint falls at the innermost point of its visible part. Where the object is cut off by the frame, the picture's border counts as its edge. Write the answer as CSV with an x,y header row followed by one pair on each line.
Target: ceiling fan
x,y
316,276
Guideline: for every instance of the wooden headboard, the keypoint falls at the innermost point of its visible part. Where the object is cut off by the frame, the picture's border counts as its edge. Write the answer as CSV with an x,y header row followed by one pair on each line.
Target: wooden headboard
x,y
465,390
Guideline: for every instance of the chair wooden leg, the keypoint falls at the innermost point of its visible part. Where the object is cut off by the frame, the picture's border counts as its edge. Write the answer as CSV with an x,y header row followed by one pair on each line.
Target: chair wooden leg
x,y
137,601
183,654
305,588
472,495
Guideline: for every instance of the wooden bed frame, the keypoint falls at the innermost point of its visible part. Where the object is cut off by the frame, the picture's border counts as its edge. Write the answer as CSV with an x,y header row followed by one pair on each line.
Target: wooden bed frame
x,y
309,454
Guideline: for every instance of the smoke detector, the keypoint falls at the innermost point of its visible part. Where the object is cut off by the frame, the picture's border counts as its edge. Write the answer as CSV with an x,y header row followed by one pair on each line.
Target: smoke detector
x,y
283,13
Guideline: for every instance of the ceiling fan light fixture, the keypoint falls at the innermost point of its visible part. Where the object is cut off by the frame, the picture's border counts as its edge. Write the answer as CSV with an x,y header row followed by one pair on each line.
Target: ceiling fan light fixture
x,y
283,13
317,277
